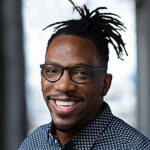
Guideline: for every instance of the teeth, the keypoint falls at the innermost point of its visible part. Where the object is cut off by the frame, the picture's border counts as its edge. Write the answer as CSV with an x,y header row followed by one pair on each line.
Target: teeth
x,y
64,104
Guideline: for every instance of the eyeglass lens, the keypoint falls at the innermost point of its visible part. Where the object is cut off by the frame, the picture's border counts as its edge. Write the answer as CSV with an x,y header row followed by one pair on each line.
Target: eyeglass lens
x,y
79,74
51,72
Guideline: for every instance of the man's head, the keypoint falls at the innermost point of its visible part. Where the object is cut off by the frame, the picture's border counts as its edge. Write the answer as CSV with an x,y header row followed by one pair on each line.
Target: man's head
x,y
74,93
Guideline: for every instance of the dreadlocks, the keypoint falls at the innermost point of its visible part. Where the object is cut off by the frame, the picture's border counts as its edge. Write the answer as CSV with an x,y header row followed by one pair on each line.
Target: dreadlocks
x,y
102,28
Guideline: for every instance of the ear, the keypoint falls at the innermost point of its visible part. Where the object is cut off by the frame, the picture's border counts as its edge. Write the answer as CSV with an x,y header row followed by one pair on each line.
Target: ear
x,y
107,83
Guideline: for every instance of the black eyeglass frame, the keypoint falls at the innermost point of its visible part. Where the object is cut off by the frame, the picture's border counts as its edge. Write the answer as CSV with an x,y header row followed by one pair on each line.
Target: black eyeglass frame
x,y
62,68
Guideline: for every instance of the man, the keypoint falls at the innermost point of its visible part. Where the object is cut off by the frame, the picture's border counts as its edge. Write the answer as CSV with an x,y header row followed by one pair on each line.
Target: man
x,y
74,83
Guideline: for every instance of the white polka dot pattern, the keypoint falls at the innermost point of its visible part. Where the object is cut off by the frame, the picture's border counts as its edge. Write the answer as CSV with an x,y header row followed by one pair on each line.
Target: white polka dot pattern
x,y
106,132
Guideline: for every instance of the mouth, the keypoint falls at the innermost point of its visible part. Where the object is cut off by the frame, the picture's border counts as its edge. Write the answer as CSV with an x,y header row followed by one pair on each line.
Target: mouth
x,y
65,106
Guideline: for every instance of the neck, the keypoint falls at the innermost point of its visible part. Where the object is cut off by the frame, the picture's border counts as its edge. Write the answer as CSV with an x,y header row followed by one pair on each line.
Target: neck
x,y
63,137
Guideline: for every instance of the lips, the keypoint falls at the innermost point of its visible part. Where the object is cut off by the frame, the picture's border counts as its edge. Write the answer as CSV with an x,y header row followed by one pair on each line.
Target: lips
x,y
65,106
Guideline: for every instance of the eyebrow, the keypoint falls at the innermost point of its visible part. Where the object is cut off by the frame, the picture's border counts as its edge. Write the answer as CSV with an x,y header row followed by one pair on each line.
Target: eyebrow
x,y
54,63
51,63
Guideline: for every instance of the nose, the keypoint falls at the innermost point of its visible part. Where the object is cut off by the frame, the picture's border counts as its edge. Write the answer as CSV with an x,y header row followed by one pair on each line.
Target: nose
x,y
65,84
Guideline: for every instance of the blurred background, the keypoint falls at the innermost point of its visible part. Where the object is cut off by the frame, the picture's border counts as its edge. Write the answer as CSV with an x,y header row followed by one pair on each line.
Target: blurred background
x,y
22,50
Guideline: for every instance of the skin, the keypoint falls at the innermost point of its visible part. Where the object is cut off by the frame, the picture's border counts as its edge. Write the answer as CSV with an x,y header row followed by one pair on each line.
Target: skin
x,y
68,50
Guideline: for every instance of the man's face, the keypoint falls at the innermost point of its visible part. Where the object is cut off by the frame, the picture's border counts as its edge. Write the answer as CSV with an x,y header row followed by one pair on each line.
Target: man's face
x,y
73,105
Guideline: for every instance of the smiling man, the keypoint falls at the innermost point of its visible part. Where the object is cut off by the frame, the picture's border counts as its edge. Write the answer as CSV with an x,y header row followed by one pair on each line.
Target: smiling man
x,y
74,82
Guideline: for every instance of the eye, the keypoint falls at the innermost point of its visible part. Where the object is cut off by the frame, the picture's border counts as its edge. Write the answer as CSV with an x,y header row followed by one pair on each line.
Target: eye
x,y
51,71
80,74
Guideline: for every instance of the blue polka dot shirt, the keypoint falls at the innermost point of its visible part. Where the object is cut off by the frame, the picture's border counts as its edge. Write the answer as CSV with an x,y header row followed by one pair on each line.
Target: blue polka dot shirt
x,y
106,132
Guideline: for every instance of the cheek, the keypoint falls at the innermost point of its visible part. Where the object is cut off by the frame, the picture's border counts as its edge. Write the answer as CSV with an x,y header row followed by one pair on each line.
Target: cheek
x,y
88,90
99,82
46,87
93,89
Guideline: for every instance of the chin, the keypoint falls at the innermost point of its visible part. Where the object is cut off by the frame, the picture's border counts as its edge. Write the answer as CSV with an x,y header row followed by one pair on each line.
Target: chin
x,y
64,126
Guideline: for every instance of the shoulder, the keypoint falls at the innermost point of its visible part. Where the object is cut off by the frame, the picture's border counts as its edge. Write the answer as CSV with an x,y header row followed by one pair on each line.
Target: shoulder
x,y
36,138
117,134
120,135
128,135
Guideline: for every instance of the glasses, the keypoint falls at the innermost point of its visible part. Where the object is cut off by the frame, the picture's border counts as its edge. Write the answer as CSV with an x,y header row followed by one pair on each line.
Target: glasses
x,y
78,73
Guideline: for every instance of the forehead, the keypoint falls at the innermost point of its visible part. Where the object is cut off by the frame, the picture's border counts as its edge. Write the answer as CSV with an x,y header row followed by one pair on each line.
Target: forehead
x,y
71,50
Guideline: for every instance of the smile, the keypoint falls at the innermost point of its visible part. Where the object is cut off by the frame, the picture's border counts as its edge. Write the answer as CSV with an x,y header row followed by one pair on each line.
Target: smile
x,y
64,104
